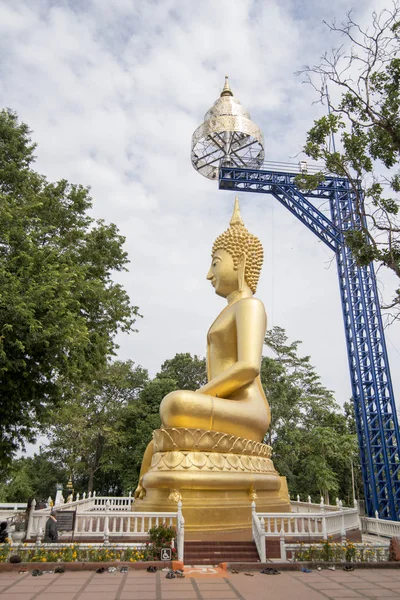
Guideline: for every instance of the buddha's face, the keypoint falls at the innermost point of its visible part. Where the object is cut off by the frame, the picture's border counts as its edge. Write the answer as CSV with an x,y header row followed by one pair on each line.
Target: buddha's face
x,y
222,274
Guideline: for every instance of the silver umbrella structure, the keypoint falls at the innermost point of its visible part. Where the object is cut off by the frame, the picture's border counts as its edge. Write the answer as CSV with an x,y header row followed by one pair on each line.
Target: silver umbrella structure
x,y
228,137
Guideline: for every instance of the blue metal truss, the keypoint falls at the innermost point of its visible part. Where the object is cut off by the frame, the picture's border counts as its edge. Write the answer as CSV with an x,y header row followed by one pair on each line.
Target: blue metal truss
x,y
374,404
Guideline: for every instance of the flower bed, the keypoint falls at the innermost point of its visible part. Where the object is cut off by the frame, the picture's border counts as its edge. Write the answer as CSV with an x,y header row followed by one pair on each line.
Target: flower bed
x,y
338,552
44,553
160,537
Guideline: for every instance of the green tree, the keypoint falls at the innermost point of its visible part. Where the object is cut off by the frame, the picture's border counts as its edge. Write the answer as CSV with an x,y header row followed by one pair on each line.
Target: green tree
x,y
189,373
365,70
86,431
59,307
32,477
138,422
312,441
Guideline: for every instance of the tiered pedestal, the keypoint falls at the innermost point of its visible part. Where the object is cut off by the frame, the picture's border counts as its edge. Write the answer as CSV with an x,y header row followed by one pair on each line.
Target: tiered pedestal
x,y
216,475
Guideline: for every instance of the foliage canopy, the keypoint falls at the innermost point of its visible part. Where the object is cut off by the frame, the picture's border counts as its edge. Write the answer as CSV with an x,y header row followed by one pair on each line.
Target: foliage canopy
x,y
59,306
364,73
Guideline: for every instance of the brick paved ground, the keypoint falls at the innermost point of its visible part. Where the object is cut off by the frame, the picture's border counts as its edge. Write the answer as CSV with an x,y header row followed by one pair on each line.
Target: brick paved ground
x,y
140,585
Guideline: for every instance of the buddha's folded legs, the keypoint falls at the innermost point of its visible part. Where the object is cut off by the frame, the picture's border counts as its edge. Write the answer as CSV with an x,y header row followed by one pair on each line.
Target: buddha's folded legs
x,y
248,418
146,462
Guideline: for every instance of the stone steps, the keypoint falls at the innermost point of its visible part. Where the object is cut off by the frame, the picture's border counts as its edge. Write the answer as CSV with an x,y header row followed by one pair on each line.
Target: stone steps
x,y
213,553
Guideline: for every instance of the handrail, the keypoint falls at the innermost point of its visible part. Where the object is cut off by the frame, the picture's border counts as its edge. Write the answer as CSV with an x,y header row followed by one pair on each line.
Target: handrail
x,y
258,532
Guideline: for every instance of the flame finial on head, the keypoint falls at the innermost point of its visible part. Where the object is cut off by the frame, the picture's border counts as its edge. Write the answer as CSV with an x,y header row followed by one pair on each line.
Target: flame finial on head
x,y
238,241
236,216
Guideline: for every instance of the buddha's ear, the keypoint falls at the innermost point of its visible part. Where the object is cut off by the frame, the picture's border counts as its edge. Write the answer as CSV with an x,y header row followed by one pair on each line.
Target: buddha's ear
x,y
241,270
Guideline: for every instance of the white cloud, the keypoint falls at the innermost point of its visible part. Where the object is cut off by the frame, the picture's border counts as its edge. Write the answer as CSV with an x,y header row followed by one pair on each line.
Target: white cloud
x,y
114,90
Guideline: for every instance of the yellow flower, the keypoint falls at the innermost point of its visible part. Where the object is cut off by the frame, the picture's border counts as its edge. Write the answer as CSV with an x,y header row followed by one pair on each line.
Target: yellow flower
x,y
44,559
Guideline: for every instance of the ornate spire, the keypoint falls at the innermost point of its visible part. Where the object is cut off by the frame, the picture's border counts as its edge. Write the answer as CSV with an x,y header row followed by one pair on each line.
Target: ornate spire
x,y
227,88
236,219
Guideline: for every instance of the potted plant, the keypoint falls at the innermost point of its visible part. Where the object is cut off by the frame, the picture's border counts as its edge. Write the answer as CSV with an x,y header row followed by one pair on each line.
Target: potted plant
x,y
18,525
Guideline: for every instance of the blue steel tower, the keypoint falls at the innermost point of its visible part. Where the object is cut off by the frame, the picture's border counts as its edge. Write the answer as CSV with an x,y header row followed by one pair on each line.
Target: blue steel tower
x,y
228,146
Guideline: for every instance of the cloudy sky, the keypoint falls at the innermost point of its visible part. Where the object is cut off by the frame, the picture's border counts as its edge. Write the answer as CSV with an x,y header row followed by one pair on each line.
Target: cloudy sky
x,y
113,91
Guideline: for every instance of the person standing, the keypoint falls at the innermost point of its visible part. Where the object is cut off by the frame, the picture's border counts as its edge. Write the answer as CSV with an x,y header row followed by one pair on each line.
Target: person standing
x,y
51,530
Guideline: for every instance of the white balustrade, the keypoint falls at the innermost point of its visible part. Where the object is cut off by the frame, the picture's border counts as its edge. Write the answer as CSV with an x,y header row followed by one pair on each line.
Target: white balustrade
x,y
321,524
380,527
311,507
109,517
362,552
258,529
180,531
93,502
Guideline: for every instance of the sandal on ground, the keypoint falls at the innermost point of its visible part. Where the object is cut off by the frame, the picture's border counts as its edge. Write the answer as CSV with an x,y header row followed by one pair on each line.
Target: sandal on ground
x,y
250,574
332,568
59,570
170,575
270,571
124,569
36,572
234,571
151,569
305,570
111,569
348,568
100,570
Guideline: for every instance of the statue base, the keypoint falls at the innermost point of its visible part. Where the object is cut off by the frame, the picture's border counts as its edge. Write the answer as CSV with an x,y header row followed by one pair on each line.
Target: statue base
x,y
215,510
216,475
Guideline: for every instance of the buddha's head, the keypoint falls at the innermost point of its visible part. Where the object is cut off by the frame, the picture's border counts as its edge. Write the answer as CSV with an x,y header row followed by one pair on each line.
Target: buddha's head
x,y
237,258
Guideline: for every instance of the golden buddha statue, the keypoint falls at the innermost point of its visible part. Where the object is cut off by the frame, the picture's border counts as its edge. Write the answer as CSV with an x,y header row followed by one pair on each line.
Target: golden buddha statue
x,y
209,451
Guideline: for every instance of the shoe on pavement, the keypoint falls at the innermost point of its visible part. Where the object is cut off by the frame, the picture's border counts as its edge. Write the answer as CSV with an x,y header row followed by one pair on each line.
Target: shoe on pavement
x,y
59,570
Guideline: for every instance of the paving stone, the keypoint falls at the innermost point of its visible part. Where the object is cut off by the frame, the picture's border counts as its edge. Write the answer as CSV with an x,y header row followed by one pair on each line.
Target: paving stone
x,y
143,596
179,595
62,596
326,585
374,591
346,594
228,593
11,596
385,597
88,595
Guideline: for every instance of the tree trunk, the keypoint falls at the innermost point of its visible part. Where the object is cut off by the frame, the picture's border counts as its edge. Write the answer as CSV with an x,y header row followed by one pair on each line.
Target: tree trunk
x,y
91,479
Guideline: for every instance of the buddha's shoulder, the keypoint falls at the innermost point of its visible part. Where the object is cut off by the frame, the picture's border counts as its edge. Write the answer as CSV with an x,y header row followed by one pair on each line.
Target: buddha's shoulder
x,y
249,304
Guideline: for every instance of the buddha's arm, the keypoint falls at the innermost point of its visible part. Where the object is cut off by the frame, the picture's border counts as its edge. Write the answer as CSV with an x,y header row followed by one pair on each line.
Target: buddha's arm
x,y
250,327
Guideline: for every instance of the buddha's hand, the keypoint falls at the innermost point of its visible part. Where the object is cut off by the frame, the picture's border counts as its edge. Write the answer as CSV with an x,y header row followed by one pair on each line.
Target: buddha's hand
x,y
140,491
